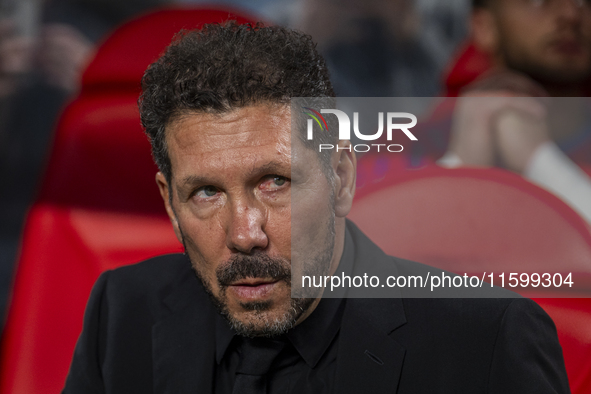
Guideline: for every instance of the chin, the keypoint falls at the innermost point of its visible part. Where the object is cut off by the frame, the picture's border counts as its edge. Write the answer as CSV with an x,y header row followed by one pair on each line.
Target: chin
x,y
564,70
261,319
257,320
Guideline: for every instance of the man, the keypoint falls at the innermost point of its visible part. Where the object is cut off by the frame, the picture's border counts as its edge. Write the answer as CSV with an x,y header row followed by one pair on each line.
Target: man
x,y
247,200
537,48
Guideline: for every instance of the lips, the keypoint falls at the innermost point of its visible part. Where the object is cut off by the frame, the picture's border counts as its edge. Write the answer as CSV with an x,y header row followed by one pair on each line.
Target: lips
x,y
253,289
568,47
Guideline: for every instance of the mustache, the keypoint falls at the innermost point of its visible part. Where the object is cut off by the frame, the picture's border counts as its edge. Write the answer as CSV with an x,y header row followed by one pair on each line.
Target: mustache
x,y
258,265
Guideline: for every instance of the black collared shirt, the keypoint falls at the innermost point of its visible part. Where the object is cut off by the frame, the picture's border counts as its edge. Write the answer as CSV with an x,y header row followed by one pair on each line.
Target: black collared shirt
x,y
308,362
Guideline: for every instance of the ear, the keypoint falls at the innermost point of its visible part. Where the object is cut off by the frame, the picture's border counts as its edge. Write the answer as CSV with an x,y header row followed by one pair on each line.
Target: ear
x,y
164,192
345,165
484,29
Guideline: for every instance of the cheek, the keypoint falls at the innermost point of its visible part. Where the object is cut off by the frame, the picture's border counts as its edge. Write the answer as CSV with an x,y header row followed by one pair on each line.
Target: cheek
x,y
205,243
586,29
521,31
278,229
310,220
206,231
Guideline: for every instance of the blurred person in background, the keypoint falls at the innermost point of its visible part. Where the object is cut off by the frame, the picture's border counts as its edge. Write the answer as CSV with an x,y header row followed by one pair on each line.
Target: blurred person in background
x,y
279,12
380,48
537,49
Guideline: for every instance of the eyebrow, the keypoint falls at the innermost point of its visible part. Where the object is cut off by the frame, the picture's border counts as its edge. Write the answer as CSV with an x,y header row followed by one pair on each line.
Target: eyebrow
x,y
269,168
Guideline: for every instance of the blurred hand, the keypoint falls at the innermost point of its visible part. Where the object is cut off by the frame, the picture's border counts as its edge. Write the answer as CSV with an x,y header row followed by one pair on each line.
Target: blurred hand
x,y
476,123
63,54
519,135
494,120
15,57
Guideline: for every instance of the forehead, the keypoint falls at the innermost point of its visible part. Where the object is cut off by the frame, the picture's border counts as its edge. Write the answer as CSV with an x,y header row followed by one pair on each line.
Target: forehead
x,y
241,138
529,21
255,125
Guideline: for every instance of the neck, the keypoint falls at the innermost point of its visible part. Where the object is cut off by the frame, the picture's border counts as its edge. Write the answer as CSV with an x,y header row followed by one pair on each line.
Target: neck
x,y
553,89
562,90
339,246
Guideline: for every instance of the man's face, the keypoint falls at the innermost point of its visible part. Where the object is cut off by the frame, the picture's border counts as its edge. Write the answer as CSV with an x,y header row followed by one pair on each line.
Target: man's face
x,y
549,40
232,188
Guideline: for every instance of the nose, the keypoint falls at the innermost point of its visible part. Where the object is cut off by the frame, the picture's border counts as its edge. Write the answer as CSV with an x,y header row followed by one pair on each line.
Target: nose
x,y
245,230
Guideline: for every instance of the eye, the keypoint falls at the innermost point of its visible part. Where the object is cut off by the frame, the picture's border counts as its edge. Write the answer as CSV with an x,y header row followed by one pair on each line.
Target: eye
x,y
206,191
279,180
274,182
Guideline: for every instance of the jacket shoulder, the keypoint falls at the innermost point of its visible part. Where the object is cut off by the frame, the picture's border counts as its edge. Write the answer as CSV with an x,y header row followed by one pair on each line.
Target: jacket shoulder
x,y
149,286
152,273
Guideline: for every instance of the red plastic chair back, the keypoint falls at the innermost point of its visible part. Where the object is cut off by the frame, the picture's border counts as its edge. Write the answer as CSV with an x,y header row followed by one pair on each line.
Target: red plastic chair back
x,y
466,66
469,220
98,207
467,217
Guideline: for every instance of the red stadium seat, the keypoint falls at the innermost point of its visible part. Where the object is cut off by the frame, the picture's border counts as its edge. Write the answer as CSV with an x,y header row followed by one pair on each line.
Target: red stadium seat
x,y
469,216
474,220
98,207
468,64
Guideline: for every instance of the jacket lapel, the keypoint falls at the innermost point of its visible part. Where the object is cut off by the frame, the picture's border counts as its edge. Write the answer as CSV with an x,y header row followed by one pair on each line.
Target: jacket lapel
x,y
183,346
369,360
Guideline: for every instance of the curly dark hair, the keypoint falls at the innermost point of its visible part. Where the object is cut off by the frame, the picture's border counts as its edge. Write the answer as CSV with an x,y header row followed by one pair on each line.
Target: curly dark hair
x,y
222,67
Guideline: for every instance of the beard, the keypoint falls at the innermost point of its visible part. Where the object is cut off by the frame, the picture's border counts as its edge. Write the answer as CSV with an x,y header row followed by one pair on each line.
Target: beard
x,y
260,265
538,68
548,74
257,265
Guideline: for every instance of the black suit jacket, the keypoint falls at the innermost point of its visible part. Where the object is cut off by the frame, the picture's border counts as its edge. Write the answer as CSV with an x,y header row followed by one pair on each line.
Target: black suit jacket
x,y
149,328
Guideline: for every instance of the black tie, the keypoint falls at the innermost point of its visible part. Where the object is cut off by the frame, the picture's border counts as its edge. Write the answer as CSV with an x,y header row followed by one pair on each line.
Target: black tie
x,y
255,361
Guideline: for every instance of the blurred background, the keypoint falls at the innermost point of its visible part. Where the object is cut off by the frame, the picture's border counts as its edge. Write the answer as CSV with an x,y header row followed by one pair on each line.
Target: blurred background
x,y
373,48
500,173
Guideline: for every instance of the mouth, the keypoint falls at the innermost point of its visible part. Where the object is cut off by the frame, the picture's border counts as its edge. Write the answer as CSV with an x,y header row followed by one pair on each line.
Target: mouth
x,y
568,47
253,289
